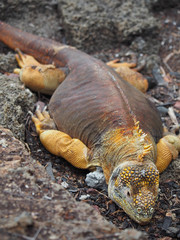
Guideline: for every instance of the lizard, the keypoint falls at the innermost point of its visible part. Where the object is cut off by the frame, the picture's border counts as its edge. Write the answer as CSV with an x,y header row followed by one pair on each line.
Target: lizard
x,y
96,117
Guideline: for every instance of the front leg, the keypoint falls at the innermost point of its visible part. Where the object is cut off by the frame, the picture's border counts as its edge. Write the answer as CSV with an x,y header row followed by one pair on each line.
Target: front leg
x,y
168,148
60,143
38,77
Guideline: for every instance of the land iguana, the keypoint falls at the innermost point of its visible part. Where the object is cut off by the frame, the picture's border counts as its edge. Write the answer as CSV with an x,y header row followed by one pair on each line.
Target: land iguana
x,y
96,118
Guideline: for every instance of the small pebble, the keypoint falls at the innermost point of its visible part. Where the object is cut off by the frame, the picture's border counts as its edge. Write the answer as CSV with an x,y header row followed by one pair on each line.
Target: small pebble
x,y
112,207
164,206
166,21
65,184
96,179
49,171
172,231
158,77
125,224
64,179
163,111
73,190
47,197
167,222
84,197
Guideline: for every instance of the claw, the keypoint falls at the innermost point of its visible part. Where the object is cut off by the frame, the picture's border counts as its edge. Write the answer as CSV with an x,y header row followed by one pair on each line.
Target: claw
x,y
116,64
45,113
39,114
30,113
25,60
113,62
42,120
37,123
17,71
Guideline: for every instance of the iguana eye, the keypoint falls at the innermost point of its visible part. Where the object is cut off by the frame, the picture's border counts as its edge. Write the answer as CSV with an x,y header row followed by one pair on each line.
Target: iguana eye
x,y
139,210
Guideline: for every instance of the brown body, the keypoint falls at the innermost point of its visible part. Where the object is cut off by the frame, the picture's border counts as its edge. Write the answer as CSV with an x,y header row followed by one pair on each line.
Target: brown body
x,y
87,105
93,98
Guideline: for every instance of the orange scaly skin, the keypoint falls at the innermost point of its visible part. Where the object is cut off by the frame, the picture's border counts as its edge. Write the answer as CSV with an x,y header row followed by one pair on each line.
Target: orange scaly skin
x,y
96,119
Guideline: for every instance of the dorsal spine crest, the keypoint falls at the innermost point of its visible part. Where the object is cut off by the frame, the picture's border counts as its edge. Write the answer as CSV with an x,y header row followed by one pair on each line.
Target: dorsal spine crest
x,y
146,147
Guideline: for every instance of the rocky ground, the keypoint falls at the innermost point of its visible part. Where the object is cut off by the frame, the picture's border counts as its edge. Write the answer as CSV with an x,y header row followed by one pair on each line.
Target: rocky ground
x,y
38,206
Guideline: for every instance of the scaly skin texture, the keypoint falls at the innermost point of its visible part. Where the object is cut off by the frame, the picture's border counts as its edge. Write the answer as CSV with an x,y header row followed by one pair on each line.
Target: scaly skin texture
x,y
117,126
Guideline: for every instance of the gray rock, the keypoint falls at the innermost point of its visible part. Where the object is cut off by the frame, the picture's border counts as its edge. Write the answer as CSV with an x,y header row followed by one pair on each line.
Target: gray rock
x,y
161,4
167,222
30,198
93,25
38,17
7,62
30,202
172,232
23,220
15,101
162,110
88,25
152,60
96,179
133,234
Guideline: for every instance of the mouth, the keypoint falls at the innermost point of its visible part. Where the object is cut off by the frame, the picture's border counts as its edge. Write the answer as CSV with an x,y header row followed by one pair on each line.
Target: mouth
x,y
141,219
138,214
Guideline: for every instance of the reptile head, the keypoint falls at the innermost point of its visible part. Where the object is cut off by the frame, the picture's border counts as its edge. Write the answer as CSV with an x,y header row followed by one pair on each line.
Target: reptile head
x,y
134,187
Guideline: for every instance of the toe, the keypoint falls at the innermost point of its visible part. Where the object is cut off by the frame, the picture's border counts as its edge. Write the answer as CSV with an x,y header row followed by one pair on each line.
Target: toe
x,y
45,113
39,114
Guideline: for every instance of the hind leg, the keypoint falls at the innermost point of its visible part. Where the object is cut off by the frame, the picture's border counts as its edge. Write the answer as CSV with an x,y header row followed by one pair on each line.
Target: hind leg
x,y
38,77
130,74
60,143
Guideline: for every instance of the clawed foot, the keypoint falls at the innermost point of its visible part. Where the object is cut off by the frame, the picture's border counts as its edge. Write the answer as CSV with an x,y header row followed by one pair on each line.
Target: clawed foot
x,y
116,64
38,77
42,120
129,73
25,60
168,149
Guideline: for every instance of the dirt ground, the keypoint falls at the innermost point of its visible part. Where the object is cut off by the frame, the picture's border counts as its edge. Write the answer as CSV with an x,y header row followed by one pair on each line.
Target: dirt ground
x,y
161,52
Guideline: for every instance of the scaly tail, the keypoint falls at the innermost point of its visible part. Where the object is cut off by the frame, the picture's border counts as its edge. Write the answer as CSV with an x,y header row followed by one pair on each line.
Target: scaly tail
x,y
44,50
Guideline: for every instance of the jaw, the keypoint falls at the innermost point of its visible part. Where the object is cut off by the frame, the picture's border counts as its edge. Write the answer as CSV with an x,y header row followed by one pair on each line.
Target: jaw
x,y
142,219
129,209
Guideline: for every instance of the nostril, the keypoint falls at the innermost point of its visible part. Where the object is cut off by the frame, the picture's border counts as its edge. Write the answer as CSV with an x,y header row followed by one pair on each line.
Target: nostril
x,y
128,194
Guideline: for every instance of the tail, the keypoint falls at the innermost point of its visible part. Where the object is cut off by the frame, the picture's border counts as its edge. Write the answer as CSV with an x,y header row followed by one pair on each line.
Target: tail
x,y
44,50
